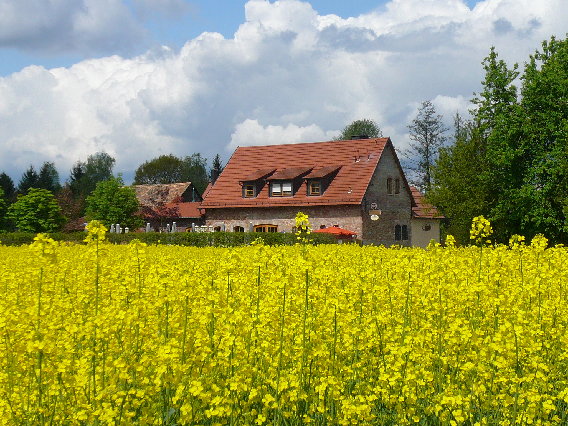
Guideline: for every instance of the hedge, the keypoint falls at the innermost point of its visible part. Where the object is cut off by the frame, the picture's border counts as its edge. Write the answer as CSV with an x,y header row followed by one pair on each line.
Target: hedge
x,y
197,239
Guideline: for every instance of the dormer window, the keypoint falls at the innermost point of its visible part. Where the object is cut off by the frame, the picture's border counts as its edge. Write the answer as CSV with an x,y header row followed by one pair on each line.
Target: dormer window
x,y
314,187
281,189
249,190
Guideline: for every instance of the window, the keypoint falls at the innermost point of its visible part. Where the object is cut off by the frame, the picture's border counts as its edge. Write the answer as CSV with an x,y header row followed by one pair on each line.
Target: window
x,y
265,228
314,187
427,227
238,229
400,233
249,190
281,189
389,186
217,229
397,186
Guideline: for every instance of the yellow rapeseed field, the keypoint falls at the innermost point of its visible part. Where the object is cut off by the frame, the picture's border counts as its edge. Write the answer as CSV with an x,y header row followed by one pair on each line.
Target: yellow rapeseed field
x,y
136,334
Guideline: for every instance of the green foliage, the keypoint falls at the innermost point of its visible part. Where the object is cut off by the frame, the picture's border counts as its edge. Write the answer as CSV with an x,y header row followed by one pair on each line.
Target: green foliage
x,y
216,169
518,151
196,239
37,211
48,177
84,176
172,169
29,179
459,189
363,127
3,211
111,202
7,185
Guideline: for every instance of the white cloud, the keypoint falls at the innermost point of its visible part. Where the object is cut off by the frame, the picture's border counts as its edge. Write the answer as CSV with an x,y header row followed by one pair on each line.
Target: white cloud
x,y
251,132
288,75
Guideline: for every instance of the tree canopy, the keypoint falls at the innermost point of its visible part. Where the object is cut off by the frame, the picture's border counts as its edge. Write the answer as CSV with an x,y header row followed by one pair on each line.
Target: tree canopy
x,y
3,211
513,159
364,127
37,211
7,185
172,169
111,202
84,176
29,179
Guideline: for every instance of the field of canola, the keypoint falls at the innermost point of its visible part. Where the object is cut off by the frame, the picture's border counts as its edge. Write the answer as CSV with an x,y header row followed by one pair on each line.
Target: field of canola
x,y
136,334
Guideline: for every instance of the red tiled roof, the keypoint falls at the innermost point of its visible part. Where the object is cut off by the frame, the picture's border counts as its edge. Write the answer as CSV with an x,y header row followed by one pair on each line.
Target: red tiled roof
x,y
290,173
259,174
358,160
186,210
420,208
322,172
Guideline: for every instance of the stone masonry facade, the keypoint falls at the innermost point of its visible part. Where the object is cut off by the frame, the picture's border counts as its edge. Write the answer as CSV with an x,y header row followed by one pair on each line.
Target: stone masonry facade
x,y
348,217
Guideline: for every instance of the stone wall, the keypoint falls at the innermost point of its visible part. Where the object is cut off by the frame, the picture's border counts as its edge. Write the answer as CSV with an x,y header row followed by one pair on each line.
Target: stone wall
x,y
347,217
395,209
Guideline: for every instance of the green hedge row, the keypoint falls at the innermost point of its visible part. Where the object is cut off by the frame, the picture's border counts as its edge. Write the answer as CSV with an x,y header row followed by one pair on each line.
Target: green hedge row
x,y
197,239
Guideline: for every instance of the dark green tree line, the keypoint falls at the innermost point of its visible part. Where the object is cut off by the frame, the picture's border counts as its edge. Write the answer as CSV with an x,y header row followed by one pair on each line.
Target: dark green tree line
x,y
512,159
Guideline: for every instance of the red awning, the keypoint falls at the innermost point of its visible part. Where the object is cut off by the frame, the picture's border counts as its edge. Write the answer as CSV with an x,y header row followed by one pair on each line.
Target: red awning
x,y
337,231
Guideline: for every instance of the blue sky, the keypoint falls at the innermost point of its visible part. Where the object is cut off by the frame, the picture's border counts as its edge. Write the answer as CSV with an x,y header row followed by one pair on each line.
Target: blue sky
x,y
141,78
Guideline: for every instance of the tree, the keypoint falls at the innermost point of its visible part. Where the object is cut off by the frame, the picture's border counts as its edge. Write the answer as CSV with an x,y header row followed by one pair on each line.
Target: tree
x,y
84,176
172,169
3,211
48,178
459,189
427,131
364,127
111,202
515,156
163,169
29,179
195,171
216,169
37,211
7,184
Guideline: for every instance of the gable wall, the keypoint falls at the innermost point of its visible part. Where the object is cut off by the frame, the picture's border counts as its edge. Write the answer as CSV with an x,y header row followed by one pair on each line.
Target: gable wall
x,y
395,209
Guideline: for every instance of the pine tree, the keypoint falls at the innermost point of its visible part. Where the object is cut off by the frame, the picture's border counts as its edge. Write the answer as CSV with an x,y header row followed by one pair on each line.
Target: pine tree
x,y
30,179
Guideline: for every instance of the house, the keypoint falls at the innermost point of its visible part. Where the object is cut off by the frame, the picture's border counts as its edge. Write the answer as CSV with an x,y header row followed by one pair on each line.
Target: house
x,y
163,204
357,185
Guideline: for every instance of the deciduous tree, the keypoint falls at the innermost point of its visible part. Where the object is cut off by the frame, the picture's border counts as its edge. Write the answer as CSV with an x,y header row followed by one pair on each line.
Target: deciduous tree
x,y
111,202
37,211
364,127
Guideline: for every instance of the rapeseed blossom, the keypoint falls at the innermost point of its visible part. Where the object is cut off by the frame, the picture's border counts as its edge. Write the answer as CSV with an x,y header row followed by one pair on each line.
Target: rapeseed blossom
x,y
139,334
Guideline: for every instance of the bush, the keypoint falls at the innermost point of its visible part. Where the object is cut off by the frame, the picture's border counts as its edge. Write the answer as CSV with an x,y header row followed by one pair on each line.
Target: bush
x,y
196,239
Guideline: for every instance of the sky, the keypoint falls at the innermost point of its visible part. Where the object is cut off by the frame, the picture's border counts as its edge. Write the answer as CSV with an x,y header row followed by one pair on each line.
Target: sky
x,y
142,78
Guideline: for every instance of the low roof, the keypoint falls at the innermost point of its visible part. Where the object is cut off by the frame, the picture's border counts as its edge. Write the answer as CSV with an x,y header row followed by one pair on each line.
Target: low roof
x,y
421,209
190,210
161,193
358,160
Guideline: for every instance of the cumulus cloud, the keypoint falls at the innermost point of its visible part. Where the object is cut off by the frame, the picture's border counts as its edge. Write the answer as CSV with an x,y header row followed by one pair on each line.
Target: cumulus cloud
x,y
69,26
287,75
251,132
